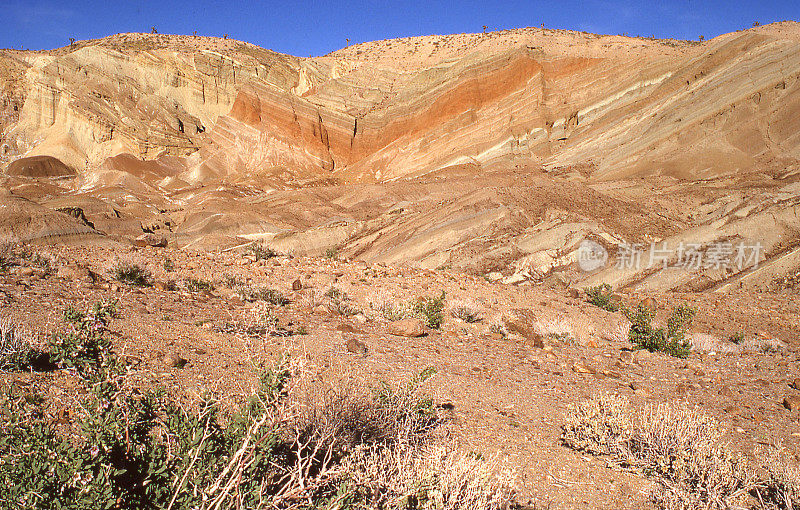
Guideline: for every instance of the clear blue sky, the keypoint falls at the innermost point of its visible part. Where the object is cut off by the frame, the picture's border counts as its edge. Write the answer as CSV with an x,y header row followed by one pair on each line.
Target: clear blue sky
x,y
313,28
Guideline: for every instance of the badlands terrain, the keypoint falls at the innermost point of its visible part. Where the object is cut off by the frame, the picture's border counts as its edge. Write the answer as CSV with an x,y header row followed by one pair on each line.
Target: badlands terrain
x,y
472,164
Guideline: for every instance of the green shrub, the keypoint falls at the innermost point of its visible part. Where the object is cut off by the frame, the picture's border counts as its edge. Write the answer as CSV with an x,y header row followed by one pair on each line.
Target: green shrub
x,y
339,302
198,285
672,340
132,274
602,296
261,252
169,266
431,310
120,447
332,253
85,348
737,338
253,293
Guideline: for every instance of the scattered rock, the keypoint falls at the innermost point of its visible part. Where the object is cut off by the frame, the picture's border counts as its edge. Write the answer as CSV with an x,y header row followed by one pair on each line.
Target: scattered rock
x,y
725,391
297,285
174,361
792,402
796,384
347,328
582,368
410,328
154,240
355,346
733,410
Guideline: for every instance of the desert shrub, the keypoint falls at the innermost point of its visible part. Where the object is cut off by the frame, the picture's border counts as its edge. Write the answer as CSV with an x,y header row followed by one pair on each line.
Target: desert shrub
x,y
168,265
671,340
780,487
255,293
680,448
16,352
84,347
259,322
338,302
332,253
132,274
197,285
737,338
125,448
403,477
466,311
430,309
7,256
599,426
603,297
261,252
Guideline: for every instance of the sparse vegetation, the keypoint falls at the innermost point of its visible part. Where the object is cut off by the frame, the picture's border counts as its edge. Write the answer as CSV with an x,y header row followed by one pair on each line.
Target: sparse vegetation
x,y
127,448
16,351
603,297
430,309
679,448
737,338
332,253
132,274
169,266
672,340
261,252
197,285
466,311
339,302
255,293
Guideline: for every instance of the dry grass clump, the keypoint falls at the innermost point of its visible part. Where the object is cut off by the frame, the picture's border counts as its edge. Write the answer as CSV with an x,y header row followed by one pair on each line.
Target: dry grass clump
x,y
681,448
131,273
780,487
16,352
431,477
467,311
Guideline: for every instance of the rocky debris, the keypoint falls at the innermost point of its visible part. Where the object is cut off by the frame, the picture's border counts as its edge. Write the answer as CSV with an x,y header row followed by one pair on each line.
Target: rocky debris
x,y
791,402
152,240
356,346
297,285
174,361
410,328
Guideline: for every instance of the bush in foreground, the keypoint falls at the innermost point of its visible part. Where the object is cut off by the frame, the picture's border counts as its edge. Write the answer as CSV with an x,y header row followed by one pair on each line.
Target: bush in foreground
x,y
283,448
684,451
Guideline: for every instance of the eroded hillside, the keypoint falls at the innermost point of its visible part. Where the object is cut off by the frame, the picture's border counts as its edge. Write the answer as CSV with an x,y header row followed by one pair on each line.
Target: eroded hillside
x,y
496,152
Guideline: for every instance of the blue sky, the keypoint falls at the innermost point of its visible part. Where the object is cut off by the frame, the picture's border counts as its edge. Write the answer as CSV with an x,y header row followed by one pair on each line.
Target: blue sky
x,y
314,28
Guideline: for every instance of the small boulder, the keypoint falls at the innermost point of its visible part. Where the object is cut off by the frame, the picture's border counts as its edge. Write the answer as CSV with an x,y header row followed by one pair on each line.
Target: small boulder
x,y
154,240
174,361
410,328
792,402
355,346
297,285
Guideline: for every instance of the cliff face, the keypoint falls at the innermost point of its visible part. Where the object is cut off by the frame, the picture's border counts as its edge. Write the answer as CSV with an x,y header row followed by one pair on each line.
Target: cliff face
x,y
392,109
495,151
143,95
